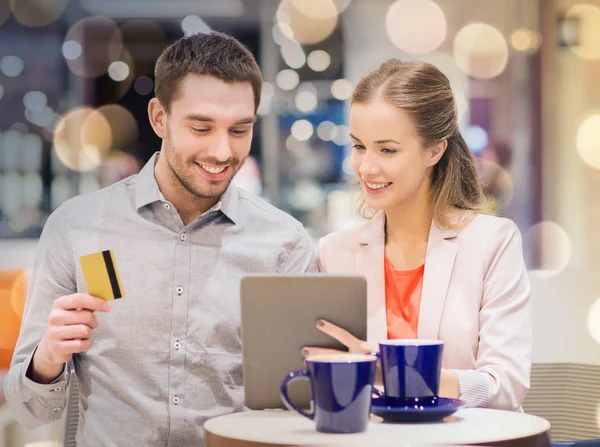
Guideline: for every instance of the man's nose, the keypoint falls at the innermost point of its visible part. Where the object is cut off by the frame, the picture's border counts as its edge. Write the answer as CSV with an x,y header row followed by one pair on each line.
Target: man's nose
x,y
220,149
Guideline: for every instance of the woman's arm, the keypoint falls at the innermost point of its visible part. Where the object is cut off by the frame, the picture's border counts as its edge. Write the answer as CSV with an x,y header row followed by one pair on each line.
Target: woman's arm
x,y
505,327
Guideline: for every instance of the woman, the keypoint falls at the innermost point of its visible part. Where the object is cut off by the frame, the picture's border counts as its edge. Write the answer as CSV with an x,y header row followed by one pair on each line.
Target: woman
x,y
437,266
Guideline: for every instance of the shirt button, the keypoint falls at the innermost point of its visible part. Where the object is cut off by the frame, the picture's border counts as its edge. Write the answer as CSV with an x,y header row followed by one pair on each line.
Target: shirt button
x,y
183,236
167,206
175,400
56,389
179,290
56,410
177,345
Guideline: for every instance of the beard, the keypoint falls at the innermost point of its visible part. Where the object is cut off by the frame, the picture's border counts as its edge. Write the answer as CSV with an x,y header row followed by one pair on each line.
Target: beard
x,y
187,177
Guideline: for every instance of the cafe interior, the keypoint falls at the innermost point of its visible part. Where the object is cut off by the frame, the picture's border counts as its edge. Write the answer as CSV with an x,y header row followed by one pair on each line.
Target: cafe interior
x,y
525,76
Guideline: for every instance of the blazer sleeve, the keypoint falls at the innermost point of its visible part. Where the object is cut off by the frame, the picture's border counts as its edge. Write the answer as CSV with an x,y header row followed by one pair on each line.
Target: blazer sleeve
x,y
321,266
505,326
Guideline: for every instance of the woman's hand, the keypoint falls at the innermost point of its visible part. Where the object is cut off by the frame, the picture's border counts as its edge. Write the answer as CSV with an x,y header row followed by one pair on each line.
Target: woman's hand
x,y
354,345
449,386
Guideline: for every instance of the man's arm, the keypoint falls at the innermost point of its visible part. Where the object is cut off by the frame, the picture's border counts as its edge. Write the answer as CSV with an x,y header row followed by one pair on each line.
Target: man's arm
x,y
300,255
53,276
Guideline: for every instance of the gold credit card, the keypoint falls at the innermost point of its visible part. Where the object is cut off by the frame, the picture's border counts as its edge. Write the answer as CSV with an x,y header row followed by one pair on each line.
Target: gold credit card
x,y
101,275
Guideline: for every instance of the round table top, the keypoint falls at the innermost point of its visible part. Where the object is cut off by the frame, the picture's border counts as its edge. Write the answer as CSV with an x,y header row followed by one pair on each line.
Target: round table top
x,y
466,426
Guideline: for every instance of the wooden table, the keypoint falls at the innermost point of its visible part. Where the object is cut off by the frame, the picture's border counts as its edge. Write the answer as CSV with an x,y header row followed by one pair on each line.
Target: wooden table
x,y
472,426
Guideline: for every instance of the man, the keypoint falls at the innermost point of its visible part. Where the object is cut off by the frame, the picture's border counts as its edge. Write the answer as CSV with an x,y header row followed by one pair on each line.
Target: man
x,y
154,365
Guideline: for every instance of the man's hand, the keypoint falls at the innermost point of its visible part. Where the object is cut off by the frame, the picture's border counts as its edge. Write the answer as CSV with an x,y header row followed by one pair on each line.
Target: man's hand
x,y
69,331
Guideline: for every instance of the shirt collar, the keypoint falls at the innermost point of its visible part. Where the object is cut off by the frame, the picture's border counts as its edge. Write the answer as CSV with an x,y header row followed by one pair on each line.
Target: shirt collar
x,y
147,192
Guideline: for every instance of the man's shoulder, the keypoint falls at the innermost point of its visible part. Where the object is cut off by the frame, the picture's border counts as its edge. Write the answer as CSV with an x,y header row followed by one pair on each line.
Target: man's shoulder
x,y
88,204
257,209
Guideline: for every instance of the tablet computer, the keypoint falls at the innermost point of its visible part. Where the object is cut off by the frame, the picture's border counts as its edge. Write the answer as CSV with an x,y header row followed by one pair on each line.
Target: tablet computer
x,y
279,317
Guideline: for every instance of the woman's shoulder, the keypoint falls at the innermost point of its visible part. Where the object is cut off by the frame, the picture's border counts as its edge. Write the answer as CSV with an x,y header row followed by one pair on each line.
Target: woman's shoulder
x,y
345,237
487,223
485,230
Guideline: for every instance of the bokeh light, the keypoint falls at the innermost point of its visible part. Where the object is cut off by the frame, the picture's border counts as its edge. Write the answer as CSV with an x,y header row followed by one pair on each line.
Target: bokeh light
x,y
13,290
12,66
306,99
287,79
307,29
123,125
342,5
588,141
319,60
554,244
476,138
293,54
118,71
143,85
588,17
71,50
143,39
481,51
193,24
37,13
127,67
462,106
317,9
342,135
498,181
302,130
341,89
416,26
326,130
593,321
4,11
35,100
526,40
266,99
101,44
79,142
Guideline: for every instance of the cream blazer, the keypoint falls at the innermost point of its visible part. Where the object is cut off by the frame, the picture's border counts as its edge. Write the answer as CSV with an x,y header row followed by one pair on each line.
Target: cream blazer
x,y
475,297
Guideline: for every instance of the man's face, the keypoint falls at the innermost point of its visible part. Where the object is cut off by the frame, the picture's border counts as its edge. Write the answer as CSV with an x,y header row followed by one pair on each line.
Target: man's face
x,y
207,133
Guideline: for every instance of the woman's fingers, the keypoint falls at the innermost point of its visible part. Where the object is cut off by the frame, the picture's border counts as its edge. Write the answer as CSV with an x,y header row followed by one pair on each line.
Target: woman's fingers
x,y
341,335
313,350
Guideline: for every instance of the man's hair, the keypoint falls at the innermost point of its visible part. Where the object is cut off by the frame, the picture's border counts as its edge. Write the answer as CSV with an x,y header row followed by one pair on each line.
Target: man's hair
x,y
213,54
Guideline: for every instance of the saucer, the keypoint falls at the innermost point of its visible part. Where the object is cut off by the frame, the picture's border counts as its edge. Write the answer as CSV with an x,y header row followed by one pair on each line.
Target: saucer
x,y
445,407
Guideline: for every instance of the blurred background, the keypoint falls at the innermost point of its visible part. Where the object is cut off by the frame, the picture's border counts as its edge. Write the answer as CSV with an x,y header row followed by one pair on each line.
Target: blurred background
x,y
76,77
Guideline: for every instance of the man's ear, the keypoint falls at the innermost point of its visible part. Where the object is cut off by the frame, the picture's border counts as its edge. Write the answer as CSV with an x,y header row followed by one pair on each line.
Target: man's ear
x,y
436,152
158,117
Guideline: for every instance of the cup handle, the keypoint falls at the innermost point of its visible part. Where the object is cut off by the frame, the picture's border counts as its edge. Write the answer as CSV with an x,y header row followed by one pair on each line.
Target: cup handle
x,y
292,377
377,392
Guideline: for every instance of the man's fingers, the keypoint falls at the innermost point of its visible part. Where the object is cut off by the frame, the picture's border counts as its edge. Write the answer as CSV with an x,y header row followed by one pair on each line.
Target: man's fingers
x,y
76,346
76,331
82,301
61,317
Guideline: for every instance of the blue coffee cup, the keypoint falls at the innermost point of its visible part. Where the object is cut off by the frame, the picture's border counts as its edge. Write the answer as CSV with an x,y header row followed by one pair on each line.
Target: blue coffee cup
x,y
411,370
341,388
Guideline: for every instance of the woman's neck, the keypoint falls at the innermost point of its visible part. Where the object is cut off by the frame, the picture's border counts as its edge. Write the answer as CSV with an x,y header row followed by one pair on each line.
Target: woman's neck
x,y
410,221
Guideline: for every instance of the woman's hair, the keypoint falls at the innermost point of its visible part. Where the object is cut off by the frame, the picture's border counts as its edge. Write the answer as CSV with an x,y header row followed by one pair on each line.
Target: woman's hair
x,y
423,91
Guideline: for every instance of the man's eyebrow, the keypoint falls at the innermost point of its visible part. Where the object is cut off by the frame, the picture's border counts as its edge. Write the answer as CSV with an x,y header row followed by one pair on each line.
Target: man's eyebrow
x,y
208,119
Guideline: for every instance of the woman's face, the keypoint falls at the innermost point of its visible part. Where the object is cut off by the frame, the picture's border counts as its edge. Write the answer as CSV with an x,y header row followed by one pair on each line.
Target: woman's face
x,y
388,157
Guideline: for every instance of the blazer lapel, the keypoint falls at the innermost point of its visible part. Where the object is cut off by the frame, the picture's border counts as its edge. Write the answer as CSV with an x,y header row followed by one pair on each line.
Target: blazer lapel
x,y
369,261
439,263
